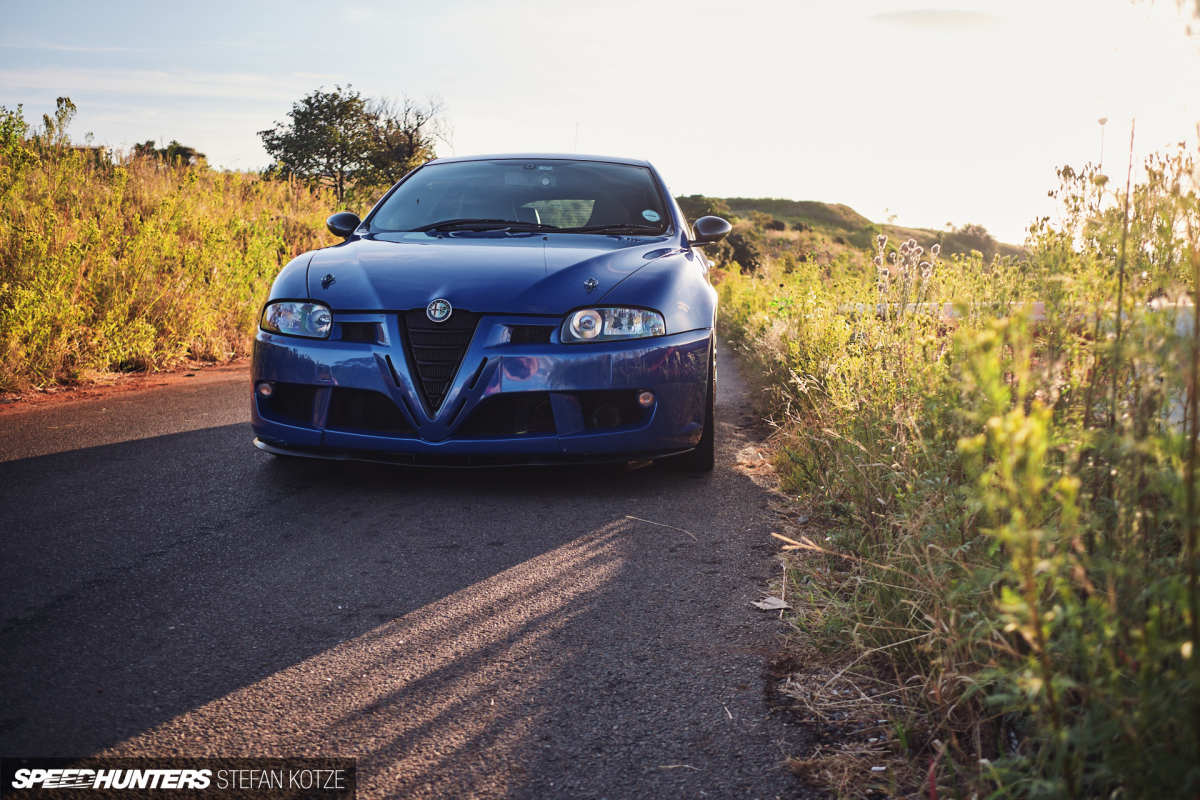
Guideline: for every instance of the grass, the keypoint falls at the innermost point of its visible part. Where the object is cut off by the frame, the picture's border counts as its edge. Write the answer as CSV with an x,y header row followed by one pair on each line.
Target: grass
x,y
1000,499
133,263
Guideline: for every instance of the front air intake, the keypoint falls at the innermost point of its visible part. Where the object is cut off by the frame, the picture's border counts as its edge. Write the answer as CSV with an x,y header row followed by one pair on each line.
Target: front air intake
x,y
435,349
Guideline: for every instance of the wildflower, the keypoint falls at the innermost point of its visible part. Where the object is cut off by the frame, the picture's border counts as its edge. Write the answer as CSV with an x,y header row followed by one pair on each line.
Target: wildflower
x,y
881,240
877,261
926,270
936,250
919,250
892,256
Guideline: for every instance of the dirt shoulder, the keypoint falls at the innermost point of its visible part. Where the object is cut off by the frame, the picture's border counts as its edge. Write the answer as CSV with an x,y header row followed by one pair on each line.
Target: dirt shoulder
x,y
112,384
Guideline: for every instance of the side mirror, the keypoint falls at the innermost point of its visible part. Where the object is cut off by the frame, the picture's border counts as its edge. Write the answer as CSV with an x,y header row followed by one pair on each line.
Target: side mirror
x,y
709,230
343,223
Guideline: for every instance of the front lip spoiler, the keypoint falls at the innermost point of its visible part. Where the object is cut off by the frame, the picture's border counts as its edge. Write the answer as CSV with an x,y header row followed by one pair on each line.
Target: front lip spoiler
x,y
460,461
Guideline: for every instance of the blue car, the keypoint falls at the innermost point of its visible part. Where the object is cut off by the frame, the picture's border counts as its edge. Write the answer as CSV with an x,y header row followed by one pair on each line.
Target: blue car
x,y
497,310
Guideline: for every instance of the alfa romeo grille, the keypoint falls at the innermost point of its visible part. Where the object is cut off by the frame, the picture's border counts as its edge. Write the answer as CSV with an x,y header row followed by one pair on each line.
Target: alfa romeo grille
x,y
435,349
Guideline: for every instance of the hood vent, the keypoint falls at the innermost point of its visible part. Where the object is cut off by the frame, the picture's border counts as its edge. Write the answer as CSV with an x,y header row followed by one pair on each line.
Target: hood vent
x,y
435,349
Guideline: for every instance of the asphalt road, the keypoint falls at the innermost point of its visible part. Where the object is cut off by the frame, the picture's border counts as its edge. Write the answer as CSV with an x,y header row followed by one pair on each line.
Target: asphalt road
x,y
168,589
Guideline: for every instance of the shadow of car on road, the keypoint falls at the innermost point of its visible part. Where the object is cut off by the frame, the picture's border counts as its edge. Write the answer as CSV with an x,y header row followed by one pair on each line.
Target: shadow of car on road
x,y
152,577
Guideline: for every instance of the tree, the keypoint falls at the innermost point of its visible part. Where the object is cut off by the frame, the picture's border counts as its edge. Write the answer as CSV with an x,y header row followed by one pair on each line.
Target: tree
x,y
343,139
973,237
327,140
403,136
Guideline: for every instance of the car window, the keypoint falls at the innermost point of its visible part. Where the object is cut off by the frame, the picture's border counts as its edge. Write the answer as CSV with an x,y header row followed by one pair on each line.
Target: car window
x,y
687,223
560,192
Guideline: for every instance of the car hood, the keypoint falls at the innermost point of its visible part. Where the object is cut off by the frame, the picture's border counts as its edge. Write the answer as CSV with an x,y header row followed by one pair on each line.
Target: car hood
x,y
485,272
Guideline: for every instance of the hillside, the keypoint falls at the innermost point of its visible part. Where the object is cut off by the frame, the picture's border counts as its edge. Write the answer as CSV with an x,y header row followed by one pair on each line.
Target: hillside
x,y
842,224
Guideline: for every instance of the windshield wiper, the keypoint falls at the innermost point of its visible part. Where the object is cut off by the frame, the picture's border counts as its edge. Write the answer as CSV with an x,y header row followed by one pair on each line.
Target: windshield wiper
x,y
616,228
480,224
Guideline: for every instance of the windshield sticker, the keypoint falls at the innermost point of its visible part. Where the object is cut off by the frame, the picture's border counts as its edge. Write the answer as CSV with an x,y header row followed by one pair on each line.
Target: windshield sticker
x,y
650,215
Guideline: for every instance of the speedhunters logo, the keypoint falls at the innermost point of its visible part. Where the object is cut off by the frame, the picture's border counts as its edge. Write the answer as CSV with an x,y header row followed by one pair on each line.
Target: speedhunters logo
x,y
58,778
265,778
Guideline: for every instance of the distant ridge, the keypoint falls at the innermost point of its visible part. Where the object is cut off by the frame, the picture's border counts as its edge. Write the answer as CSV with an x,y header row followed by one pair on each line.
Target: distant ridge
x,y
841,222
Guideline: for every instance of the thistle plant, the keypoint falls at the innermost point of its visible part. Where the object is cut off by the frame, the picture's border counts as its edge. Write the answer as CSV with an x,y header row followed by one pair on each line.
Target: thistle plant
x,y
904,276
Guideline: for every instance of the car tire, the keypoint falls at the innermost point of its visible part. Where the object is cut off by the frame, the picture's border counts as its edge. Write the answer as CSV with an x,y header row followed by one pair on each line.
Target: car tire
x,y
703,458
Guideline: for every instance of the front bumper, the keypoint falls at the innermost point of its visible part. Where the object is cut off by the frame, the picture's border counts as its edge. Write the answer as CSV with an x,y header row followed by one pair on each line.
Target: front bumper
x,y
494,371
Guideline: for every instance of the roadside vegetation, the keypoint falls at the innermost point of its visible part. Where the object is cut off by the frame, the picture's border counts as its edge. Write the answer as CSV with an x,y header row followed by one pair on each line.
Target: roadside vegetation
x,y
994,463
114,262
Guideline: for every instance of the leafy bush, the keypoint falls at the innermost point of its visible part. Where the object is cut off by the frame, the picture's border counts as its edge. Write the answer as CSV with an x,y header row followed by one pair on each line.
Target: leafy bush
x,y
743,248
1001,461
133,263
972,237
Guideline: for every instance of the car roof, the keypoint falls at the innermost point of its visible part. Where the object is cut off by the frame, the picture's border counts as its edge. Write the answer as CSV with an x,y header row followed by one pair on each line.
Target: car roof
x,y
556,156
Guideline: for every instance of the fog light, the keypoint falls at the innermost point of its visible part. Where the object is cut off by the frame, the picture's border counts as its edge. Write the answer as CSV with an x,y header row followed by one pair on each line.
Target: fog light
x,y
266,389
645,399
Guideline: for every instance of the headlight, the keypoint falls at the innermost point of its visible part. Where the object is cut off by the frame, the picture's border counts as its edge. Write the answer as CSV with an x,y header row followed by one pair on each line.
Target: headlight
x,y
298,319
606,324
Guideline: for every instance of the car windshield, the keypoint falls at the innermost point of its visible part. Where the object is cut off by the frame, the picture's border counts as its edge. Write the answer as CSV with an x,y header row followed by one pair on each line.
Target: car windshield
x,y
574,196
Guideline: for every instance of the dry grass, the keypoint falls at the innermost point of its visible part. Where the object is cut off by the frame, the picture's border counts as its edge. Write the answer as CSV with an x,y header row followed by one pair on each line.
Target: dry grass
x,y
132,263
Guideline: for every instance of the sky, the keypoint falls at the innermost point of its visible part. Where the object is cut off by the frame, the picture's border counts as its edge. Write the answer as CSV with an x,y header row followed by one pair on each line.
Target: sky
x,y
922,113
